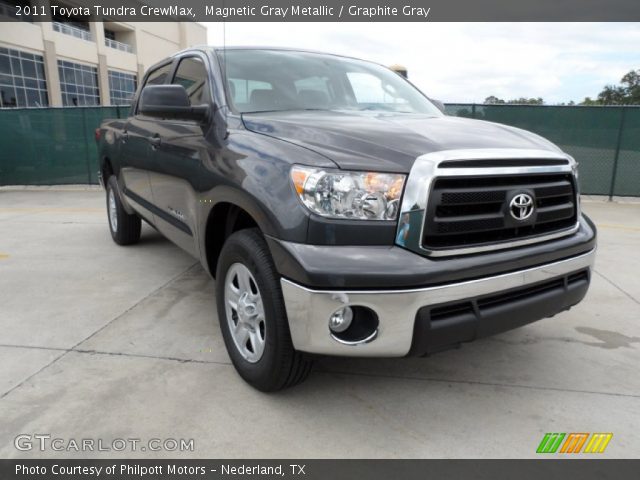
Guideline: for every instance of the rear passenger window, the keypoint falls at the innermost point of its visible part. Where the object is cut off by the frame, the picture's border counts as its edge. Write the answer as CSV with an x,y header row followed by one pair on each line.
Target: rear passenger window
x,y
192,75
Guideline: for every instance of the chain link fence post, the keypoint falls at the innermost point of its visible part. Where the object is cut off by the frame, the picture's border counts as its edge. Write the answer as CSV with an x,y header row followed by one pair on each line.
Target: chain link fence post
x,y
86,143
616,156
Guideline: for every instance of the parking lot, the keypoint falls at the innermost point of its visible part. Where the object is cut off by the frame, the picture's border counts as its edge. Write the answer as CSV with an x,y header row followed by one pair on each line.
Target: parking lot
x,y
100,341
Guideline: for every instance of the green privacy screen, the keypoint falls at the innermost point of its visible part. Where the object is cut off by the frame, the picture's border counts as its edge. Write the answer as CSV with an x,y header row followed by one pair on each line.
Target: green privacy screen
x,y
604,140
52,146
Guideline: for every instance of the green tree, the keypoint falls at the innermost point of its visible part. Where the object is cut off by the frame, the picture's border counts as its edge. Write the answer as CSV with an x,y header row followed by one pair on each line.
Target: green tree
x,y
493,100
612,95
589,101
627,93
527,101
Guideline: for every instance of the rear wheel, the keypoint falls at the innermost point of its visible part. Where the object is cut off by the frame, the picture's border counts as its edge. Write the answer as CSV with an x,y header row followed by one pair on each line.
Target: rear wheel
x,y
125,228
252,315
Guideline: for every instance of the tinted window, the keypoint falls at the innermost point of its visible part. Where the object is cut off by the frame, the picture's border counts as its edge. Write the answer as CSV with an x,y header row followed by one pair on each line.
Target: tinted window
x,y
159,75
192,75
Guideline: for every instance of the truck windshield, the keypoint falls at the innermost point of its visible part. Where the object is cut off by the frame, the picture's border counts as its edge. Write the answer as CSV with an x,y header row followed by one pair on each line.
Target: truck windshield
x,y
279,80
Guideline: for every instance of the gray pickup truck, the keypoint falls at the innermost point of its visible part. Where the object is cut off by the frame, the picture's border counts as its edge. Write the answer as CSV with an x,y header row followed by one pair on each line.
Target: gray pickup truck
x,y
339,210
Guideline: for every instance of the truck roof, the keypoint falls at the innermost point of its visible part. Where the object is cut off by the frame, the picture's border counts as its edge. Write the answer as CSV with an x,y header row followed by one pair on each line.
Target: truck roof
x,y
215,48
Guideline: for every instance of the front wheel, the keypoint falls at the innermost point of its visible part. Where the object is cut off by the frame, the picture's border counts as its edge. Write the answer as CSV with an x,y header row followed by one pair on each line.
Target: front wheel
x,y
253,317
125,228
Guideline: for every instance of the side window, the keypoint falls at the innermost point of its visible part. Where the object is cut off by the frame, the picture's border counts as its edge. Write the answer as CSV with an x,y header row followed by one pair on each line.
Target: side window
x,y
192,75
155,77
159,75
241,89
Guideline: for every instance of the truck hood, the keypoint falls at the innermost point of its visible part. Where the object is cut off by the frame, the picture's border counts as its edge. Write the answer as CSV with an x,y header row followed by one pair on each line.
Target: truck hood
x,y
388,142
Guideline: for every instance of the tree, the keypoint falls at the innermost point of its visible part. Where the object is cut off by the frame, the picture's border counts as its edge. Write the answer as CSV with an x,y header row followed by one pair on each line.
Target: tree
x,y
493,100
632,80
612,95
589,102
627,93
527,101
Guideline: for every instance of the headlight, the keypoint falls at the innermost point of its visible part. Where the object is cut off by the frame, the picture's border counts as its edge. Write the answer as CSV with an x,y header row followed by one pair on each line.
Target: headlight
x,y
353,195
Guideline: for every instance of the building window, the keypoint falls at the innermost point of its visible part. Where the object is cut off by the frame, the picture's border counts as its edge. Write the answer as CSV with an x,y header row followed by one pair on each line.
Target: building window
x,y
122,86
22,80
79,84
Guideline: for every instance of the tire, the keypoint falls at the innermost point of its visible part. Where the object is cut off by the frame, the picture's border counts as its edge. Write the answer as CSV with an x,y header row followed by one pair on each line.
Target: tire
x,y
125,229
266,360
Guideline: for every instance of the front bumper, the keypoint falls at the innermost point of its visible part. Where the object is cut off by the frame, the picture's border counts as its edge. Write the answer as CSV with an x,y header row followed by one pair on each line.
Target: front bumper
x,y
378,267
407,318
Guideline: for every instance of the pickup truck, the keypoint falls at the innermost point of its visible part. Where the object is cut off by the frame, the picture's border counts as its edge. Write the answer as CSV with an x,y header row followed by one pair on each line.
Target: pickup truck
x,y
339,210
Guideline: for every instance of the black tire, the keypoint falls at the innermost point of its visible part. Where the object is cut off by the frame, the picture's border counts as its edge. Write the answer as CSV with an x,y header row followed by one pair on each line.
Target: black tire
x,y
280,366
128,227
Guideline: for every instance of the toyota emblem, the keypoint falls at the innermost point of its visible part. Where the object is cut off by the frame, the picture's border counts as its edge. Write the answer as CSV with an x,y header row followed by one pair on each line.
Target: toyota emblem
x,y
521,206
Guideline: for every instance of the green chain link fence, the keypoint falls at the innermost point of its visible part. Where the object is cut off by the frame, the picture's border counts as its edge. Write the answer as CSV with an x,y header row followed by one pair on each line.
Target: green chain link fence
x,y
604,140
52,146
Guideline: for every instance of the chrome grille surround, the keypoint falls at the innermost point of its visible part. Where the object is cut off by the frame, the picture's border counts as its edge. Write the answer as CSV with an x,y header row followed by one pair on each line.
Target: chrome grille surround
x,y
427,168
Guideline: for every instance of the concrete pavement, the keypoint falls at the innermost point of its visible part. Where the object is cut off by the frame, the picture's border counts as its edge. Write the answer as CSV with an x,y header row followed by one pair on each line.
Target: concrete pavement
x,y
101,341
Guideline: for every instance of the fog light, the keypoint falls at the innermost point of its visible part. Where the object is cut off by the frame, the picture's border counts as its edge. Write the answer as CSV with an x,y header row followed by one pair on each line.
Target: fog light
x,y
341,320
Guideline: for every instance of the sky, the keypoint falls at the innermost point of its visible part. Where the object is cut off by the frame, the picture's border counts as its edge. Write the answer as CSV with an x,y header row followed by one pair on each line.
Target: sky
x,y
467,62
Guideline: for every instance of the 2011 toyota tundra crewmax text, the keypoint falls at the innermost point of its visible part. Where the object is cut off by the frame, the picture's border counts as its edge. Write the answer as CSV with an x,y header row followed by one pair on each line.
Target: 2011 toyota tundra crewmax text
x,y
339,210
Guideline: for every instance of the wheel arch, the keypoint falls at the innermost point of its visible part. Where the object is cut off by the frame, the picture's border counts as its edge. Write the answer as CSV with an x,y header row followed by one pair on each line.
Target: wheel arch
x,y
106,169
233,211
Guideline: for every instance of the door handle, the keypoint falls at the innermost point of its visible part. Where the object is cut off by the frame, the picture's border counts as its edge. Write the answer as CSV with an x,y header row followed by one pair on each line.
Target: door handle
x,y
155,141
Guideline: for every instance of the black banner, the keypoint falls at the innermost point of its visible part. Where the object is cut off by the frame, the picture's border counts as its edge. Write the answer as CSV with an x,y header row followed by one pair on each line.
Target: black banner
x,y
318,469
325,10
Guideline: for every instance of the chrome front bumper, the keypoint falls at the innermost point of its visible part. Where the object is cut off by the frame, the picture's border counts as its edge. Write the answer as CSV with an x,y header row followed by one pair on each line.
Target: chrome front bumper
x,y
309,310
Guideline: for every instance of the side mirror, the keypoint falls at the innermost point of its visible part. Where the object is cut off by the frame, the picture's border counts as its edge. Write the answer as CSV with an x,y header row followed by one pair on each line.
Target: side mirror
x,y
170,101
438,104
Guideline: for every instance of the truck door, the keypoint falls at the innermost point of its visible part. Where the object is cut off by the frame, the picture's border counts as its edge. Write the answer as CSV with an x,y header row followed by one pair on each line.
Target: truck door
x,y
135,152
177,150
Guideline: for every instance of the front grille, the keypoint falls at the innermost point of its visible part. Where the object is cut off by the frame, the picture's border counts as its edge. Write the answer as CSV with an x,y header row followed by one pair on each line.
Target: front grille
x,y
473,211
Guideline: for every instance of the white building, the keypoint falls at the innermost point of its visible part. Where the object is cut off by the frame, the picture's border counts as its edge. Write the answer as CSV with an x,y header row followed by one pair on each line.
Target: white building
x,y
80,62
